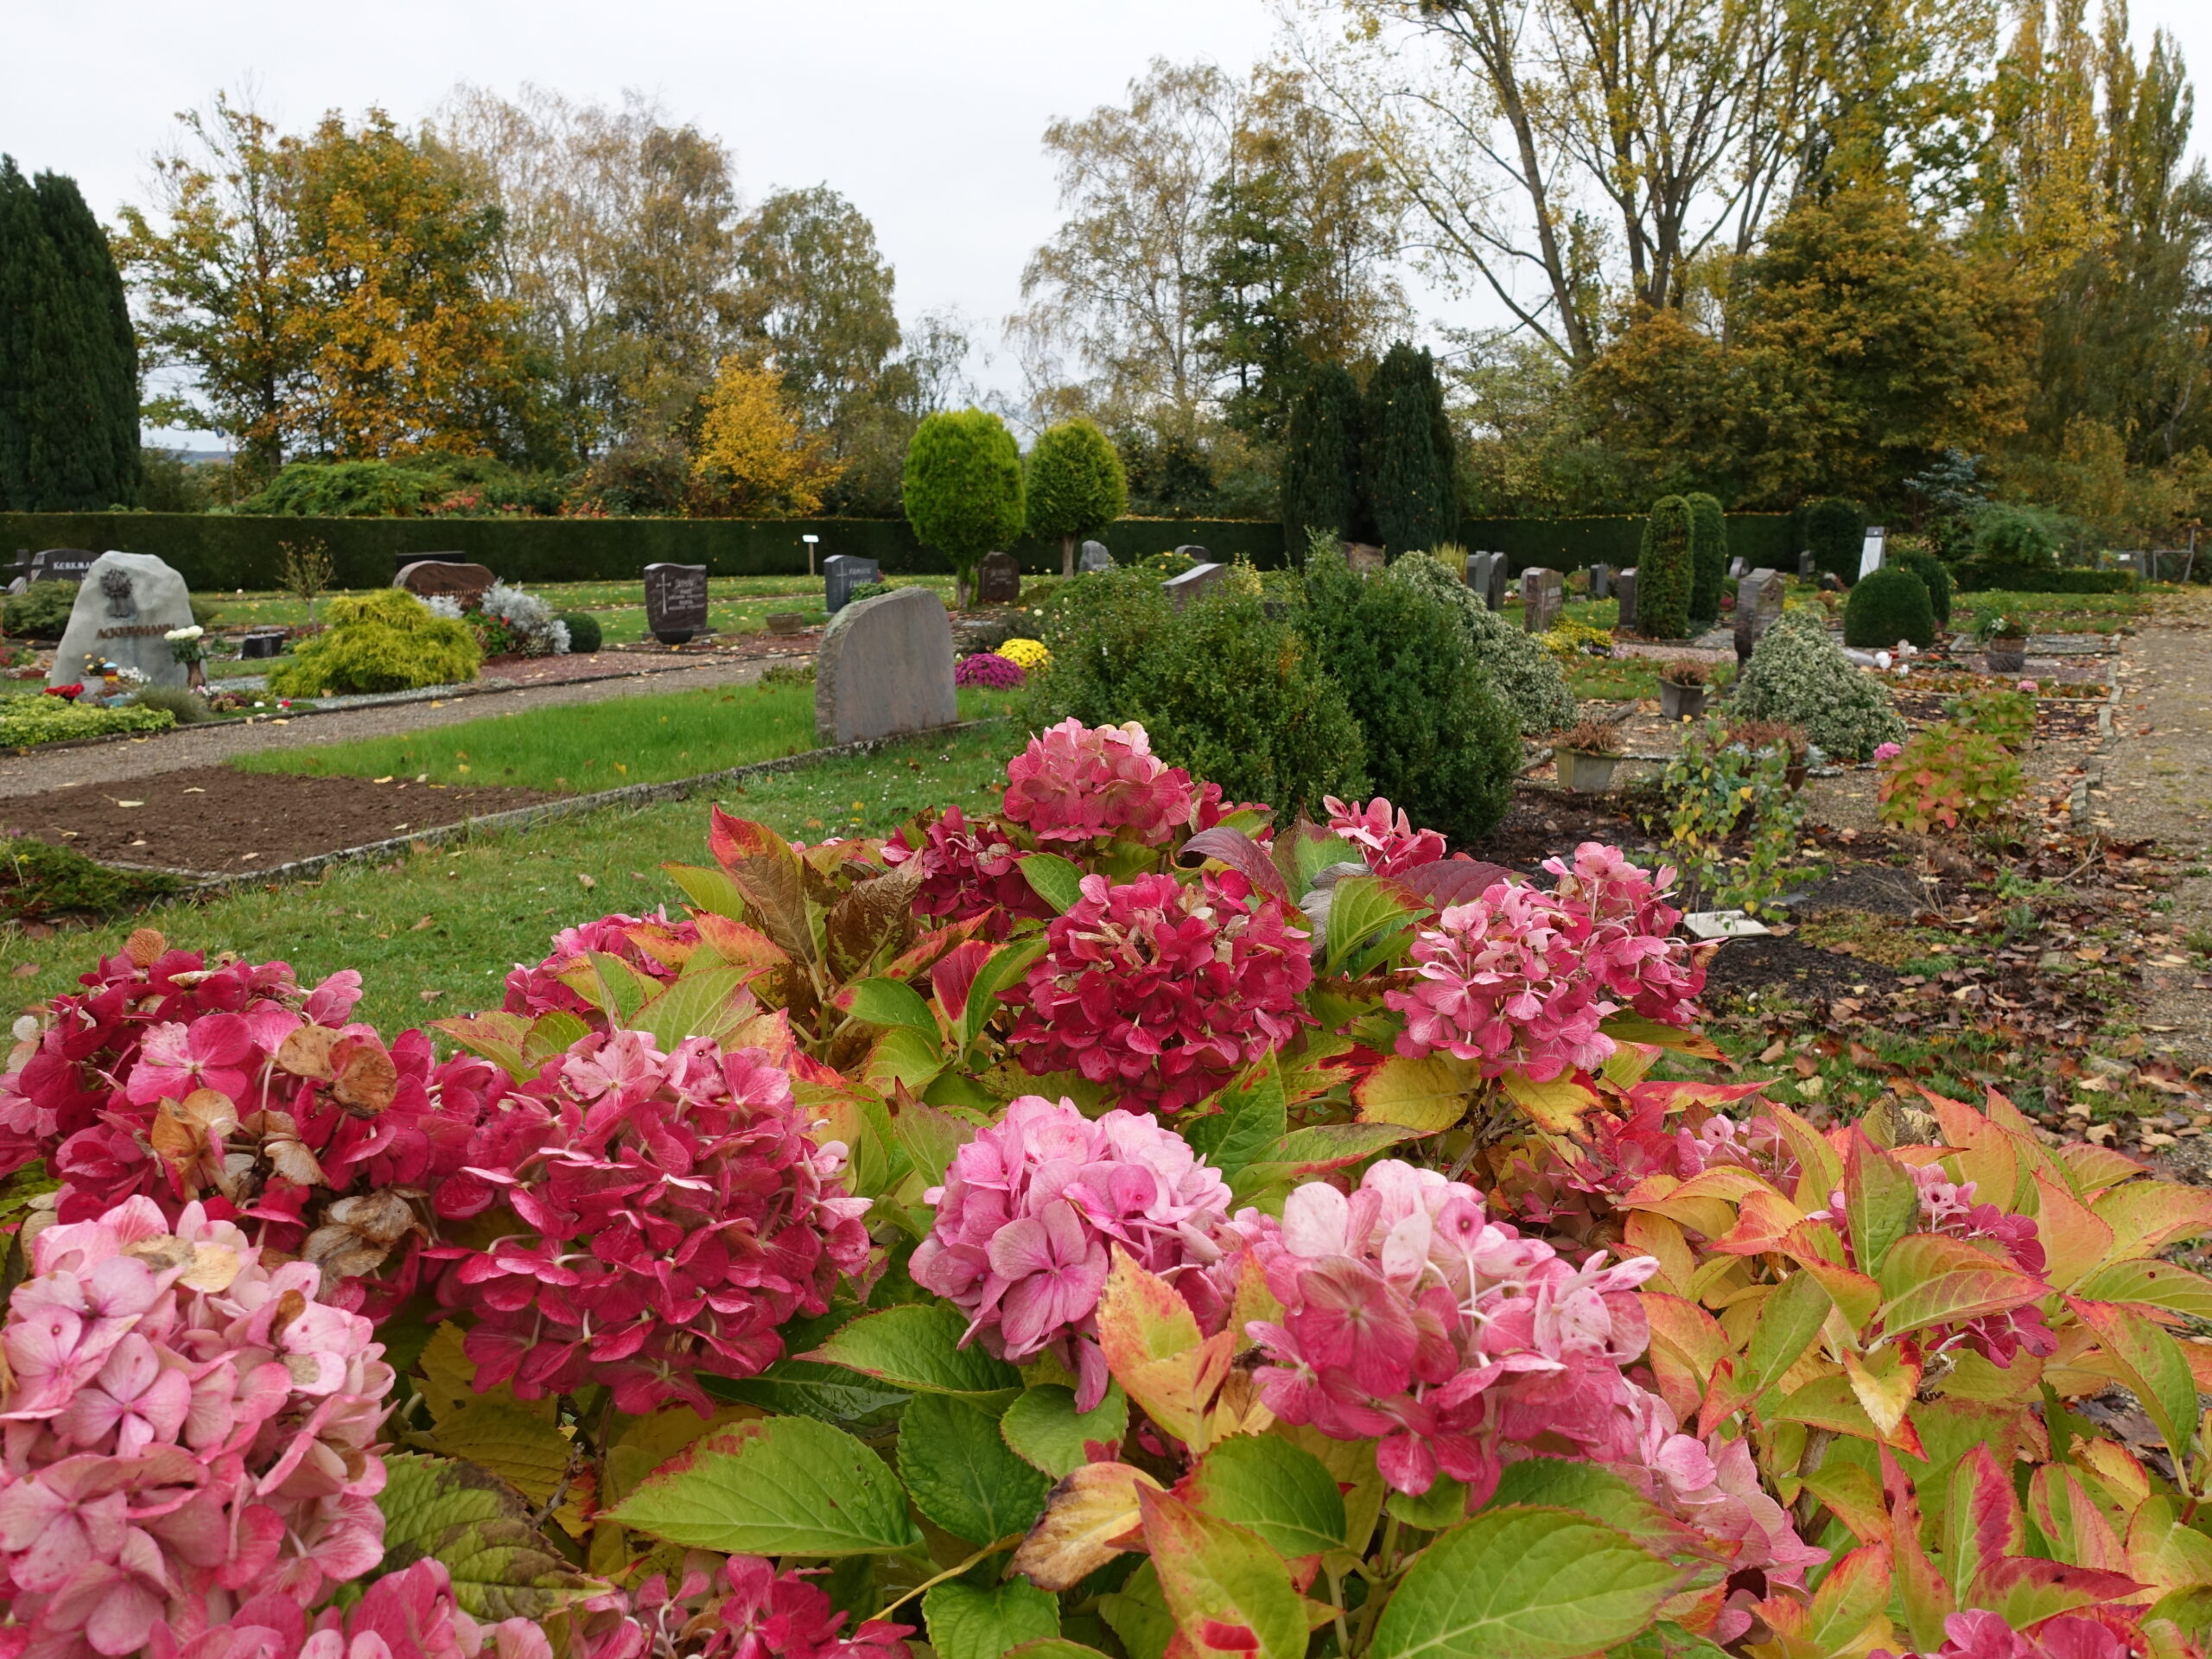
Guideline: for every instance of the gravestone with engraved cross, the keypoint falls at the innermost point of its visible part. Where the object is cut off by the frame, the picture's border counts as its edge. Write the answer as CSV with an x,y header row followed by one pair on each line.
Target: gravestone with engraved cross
x,y
675,602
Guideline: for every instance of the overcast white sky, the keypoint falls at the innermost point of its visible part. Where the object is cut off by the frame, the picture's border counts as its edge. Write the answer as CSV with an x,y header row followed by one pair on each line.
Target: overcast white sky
x,y
925,114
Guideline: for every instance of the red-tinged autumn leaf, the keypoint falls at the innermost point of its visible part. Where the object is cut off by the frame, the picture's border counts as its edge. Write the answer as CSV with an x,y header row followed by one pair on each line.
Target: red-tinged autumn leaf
x,y
1881,1201
1685,1338
2094,1168
1928,1600
1240,853
2151,1363
1556,1104
1830,1402
1450,882
738,945
956,972
1820,1170
1989,1567
1426,1095
1856,1295
1854,1594
1220,1580
1152,1345
2074,1240
2147,1216
2067,1515
1764,1222
1091,1517
1933,1279
732,839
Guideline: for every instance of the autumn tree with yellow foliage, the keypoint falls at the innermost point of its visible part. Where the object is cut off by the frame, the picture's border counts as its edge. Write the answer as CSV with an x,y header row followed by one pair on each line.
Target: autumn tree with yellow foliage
x,y
754,458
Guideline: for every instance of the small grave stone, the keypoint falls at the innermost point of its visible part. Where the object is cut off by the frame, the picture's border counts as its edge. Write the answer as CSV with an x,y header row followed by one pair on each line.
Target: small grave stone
x,y
998,579
401,560
262,642
675,602
1095,557
1758,605
59,564
1805,564
125,603
1200,579
433,577
885,665
1542,593
1364,560
1624,585
1601,580
1192,550
1736,567
840,574
1477,575
1501,571
1869,555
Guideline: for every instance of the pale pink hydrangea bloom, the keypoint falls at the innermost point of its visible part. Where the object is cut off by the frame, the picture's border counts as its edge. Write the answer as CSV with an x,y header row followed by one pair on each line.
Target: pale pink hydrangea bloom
x,y
187,1428
1076,782
1885,753
409,1614
1979,1634
1410,1318
1029,1209
1390,845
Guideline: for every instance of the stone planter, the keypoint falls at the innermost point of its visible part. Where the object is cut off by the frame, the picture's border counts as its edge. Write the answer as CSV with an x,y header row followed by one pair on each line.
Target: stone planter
x,y
1682,701
1585,774
2006,656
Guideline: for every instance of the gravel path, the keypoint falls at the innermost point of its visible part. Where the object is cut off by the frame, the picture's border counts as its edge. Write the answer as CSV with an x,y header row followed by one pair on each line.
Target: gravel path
x,y
206,746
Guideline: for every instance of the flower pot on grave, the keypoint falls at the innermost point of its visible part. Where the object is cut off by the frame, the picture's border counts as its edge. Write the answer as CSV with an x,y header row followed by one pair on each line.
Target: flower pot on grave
x,y
1794,775
2006,656
1681,701
786,621
1582,773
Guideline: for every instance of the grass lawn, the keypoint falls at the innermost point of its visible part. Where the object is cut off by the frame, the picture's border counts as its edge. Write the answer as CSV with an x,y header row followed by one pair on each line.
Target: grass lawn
x,y
433,934
634,740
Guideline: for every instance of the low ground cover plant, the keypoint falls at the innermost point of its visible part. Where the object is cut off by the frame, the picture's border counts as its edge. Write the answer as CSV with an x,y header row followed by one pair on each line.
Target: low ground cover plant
x,y
1118,1221
28,721
1732,818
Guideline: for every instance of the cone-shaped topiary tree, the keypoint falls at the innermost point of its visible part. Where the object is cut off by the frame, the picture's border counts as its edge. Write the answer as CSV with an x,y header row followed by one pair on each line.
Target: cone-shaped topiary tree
x,y
69,359
1408,467
1664,573
963,489
1708,556
1073,486
1933,574
1889,605
1320,459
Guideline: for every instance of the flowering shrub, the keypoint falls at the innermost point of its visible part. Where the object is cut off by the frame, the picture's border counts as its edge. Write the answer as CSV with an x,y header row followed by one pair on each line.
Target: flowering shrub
x,y
2008,716
509,622
1028,655
1945,776
738,1237
988,670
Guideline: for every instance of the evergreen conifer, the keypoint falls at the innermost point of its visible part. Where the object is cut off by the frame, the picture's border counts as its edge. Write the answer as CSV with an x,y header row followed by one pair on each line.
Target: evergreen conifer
x,y
1320,462
1409,460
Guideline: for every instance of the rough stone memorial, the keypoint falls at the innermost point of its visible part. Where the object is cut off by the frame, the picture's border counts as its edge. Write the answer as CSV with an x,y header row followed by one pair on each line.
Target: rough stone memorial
x,y
1758,606
840,574
1624,585
444,578
1096,556
675,602
1805,566
125,604
1543,593
885,665
998,579
1197,579
1601,582
1736,567
1192,550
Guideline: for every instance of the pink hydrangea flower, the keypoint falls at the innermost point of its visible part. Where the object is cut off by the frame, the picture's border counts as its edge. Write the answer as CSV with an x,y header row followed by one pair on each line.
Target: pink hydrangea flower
x,y
1391,846
2029,687
187,1428
670,1214
409,1614
1885,753
1519,979
1982,1635
1411,1319
769,1615
1076,783
969,870
539,988
1163,989
1029,1210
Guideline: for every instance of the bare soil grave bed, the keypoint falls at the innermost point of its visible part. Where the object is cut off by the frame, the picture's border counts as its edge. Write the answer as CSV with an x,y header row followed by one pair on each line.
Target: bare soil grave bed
x,y
218,819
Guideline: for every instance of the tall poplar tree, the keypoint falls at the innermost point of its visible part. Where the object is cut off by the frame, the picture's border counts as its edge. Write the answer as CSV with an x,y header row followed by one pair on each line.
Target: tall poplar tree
x,y
68,362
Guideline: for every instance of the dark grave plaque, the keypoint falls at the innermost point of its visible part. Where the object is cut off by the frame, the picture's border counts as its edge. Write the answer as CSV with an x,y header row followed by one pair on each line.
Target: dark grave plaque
x,y
840,574
675,602
259,643
998,579
60,564
1624,585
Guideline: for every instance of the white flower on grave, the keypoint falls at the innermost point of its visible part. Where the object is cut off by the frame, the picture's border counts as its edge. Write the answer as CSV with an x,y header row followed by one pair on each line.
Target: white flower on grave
x,y
175,636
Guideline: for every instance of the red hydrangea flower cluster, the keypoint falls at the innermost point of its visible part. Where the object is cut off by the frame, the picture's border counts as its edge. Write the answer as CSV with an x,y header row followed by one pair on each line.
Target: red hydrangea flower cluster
x,y
1163,989
1519,979
1410,1318
1949,1208
185,1428
1078,782
1391,846
409,1614
969,870
1029,1209
538,989
671,1217
232,1087
1982,1635
769,1615
990,671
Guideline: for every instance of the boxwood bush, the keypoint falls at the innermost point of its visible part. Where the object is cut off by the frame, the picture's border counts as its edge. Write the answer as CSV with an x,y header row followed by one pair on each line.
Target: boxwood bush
x,y
1666,571
1935,575
1708,556
1889,605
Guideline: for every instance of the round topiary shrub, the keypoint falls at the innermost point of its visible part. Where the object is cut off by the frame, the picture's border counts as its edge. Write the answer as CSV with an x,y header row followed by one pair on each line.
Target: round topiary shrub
x,y
1835,535
1708,556
1441,744
1520,670
1889,605
387,640
1665,572
584,634
963,489
1933,574
1799,675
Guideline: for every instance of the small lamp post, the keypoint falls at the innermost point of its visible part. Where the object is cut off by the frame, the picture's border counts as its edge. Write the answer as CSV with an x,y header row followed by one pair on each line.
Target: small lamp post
x,y
810,541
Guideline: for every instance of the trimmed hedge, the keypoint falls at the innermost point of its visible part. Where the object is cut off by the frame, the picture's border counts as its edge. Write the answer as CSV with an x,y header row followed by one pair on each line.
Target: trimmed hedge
x,y
1764,541
1889,605
2013,579
214,551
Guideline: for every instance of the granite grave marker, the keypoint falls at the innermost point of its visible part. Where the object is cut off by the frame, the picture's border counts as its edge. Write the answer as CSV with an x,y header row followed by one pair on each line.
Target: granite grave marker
x,y
840,574
125,605
1542,594
885,665
1624,585
675,602
1096,556
1758,605
1198,579
998,579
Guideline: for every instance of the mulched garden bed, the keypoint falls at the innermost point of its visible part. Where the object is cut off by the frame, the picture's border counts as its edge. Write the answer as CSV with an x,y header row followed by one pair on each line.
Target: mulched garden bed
x,y
218,819
2056,721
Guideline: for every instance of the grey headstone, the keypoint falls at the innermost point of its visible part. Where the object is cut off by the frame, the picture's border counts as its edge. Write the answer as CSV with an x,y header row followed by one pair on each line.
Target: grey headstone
x,y
1477,575
1542,594
59,564
125,604
431,578
1486,576
1366,561
998,579
1501,572
1192,550
401,560
840,574
1805,566
1095,557
262,642
885,665
1737,567
1197,579
1624,585
1870,554
675,602
1601,582
1758,605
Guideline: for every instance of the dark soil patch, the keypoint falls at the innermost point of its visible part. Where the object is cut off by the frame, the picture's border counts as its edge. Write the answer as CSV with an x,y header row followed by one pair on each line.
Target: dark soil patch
x,y
1805,973
1879,889
216,819
1545,823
